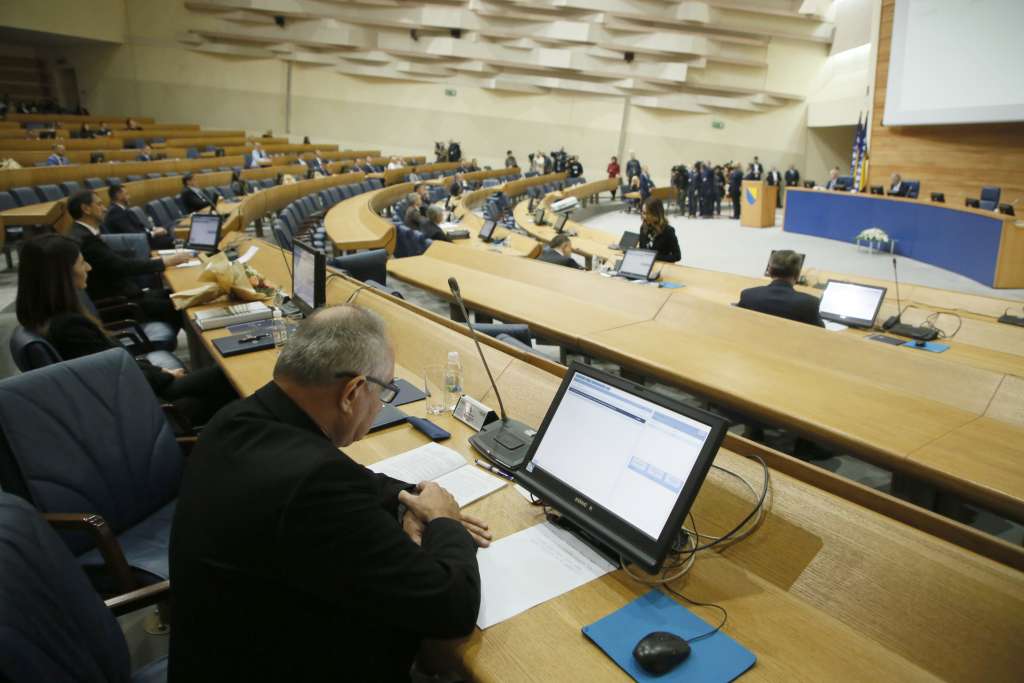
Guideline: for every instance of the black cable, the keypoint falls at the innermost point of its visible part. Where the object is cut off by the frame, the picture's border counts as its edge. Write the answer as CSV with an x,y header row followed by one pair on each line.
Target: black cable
x,y
750,515
355,293
708,634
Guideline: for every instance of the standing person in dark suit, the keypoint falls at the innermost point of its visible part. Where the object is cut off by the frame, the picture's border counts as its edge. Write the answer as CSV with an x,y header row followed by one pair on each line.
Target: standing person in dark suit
x,y
756,169
510,160
656,233
575,167
633,167
680,181
694,189
707,190
774,179
352,569
720,183
736,188
112,274
779,298
559,252
792,177
52,272
192,197
119,220
646,184
431,225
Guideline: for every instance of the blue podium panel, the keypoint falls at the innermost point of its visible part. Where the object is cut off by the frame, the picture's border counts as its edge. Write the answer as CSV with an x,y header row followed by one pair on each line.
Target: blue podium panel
x,y
961,241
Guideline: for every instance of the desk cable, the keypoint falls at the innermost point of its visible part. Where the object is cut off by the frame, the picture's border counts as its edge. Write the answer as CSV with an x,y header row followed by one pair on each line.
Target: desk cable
x,y
929,322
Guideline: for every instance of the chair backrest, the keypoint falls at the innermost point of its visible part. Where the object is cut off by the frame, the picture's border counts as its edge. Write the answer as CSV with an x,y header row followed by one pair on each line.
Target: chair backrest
x,y
284,240
70,187
25,196
172,208
131,244
134,178
88,435
365,265
49,193
913,188
158,213
94,183
114,180
7,201
55,626
141,216
990,197
31,351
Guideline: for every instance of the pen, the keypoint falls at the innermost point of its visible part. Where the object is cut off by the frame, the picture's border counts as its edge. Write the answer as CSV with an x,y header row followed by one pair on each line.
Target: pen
x,y
492,469
252,338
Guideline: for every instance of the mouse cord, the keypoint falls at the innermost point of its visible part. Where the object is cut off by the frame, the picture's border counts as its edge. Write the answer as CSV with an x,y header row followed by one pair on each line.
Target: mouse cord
x,y
931,320
673,591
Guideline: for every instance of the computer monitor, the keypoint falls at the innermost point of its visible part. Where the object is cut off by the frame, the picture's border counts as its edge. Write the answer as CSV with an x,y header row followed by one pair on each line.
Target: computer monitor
x,y
850,304
1007,209
621,462
637,263
768,266
309,277
538,216
938,197
204,232
972,203
877,189
629,240
487,230
561,221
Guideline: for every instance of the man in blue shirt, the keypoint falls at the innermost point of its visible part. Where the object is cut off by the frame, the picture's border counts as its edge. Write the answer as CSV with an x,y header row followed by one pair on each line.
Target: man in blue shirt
x,y
57,158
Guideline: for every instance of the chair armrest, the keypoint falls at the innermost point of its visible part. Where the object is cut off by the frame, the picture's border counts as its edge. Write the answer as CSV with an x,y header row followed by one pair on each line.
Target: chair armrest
x,y
120,311
137,599
130,328
105,541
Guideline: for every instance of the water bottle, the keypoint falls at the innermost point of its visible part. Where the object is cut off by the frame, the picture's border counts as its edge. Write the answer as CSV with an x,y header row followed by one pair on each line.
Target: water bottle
x,y
279,329
452,380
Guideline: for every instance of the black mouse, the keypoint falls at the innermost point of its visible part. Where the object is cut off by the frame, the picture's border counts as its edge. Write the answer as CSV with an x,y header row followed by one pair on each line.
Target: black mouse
x,y
660,652
919,344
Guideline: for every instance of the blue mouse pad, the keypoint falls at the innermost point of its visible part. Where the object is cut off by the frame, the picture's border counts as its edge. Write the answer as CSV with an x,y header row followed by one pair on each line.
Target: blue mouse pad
x,y
716,659
671,285
934,347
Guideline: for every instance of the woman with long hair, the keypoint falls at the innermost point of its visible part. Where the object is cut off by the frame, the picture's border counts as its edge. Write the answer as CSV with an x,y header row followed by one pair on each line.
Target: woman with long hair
x,y
52,276
656,233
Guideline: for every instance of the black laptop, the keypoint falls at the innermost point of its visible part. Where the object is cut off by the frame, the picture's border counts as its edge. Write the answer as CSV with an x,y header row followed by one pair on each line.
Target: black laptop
x,y
636,264
204,232
629,240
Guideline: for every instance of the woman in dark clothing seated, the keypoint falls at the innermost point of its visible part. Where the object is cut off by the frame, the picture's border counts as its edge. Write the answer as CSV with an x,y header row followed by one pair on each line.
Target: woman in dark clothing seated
x,y
51,273
656,233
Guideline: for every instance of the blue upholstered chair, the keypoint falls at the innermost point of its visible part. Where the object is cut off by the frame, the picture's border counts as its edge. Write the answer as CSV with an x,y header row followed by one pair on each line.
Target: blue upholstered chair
x,y
364,265
990,198
55,626
31,351
88,439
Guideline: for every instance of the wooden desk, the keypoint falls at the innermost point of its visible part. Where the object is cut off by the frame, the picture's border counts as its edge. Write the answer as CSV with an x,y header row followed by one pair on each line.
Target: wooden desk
x,y
356,224
44,213
824,590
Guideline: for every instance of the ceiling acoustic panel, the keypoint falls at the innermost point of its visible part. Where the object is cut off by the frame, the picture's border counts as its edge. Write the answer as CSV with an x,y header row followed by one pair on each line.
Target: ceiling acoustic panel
x,y
683,55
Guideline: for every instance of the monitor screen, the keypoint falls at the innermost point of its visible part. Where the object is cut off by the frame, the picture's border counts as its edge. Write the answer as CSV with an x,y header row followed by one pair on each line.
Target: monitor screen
x,y
850,303
308,276
629,240
637,262
767,266
622,461
204,230
487,230
561,221
538,216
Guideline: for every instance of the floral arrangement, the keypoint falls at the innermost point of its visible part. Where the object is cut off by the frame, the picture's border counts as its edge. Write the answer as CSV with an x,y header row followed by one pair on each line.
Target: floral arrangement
x,y
872,235
226,279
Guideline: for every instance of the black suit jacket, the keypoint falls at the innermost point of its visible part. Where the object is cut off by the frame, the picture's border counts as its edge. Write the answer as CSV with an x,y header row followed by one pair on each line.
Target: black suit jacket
x,y
413,218
112,274
781,300
735,182
549,255
774,178
792,177
289,562
898,190
192,201
665,243
432,230
122,221
143,157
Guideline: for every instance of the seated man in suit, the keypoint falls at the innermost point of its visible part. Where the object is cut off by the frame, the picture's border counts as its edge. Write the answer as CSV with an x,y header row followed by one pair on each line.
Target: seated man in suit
x,y
431,226
559,251
112,274
191,196
897,188
458,185
146,155
318,165
833,179
423,190
779,298
351,569
57,158
413,216
120,220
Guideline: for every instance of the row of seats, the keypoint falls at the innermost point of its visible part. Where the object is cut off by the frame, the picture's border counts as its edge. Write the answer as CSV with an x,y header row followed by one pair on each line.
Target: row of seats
x,y
167,211
294,220
28,195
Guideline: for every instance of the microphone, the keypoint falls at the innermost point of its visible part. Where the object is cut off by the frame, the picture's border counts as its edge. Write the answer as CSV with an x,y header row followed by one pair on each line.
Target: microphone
x,y
895,324
505,442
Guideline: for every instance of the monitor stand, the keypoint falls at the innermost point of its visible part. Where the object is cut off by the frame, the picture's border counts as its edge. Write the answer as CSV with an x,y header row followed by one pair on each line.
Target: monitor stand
x,y
600,547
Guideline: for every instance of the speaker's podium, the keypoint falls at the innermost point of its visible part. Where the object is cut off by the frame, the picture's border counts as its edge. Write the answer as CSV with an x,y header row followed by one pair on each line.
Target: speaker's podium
x,y
757,204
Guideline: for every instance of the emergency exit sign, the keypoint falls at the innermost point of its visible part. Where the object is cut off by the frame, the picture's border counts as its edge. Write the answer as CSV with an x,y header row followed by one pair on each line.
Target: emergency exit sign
x,y
718,124
450,92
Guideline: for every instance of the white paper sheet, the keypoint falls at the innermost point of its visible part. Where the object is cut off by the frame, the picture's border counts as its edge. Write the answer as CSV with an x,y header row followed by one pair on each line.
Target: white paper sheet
x,y
433,462
247,256
531,567
835,327
190,264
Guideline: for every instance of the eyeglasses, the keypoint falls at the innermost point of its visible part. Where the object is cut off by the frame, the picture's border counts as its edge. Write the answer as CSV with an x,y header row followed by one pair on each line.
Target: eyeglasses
x,y
388,390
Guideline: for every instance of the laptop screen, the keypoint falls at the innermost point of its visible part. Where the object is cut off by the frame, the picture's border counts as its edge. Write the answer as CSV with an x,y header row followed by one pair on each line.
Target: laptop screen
x,y
204,230
629,240
637,262
487,230
629,459
307,277
850,303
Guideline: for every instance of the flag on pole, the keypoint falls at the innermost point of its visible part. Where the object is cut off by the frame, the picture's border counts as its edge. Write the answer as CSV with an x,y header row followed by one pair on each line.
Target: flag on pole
x,y
854,154
860,179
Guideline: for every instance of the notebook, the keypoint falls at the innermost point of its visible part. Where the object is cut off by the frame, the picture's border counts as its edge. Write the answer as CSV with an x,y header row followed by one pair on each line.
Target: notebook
x,y
433,462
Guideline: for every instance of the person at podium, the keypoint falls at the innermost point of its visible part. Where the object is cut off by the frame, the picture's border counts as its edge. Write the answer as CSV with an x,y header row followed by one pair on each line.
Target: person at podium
x,y
897,188
656,233
779,298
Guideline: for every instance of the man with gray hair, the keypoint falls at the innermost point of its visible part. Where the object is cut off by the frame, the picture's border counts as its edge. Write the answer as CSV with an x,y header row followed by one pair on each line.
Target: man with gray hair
x,y
413,216
431,227
780,298
348,570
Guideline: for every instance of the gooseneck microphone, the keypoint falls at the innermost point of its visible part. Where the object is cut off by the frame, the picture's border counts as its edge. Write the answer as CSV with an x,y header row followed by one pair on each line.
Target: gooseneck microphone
x,y
453,285
896,319
505,442
895,323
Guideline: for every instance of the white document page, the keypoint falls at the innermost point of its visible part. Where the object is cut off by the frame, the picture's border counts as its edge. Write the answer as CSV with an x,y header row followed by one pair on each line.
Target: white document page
x,y
530,567
190,264
432,462
835,327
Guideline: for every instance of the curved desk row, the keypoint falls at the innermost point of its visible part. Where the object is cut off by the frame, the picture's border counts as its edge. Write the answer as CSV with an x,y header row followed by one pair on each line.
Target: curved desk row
x,y
985,246
780,587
